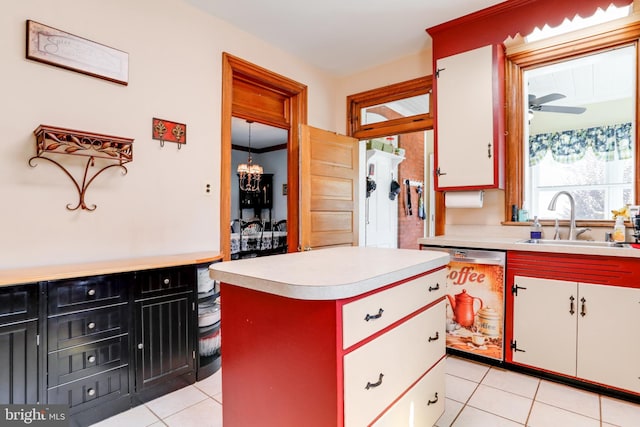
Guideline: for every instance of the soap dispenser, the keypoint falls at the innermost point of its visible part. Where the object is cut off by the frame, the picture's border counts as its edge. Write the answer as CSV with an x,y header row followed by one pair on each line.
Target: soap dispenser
x,y
619,231
536,230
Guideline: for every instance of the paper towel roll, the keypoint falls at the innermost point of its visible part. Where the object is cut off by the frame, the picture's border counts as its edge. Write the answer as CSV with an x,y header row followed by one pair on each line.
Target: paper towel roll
x,y
463,199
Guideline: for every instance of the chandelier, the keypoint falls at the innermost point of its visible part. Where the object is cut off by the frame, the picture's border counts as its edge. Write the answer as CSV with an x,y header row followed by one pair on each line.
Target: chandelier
x,y
249,173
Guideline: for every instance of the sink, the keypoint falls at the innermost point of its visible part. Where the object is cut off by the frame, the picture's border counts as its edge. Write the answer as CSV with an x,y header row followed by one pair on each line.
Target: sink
x,y
588,243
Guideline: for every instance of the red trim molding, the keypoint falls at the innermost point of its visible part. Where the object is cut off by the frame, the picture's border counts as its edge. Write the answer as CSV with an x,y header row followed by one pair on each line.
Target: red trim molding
x,y
495,24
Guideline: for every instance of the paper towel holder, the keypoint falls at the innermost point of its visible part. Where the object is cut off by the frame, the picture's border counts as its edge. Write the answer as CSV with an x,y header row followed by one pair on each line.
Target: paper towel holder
x,y
464,199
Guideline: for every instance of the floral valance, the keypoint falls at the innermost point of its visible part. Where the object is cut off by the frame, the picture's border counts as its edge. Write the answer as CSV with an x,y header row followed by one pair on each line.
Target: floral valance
x,y
571,145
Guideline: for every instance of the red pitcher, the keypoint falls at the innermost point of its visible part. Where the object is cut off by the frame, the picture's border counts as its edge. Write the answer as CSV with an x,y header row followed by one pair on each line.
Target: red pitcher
x,y
462,306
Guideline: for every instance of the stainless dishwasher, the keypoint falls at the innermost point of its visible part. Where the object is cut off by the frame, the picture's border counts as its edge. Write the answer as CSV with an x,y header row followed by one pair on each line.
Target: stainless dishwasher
x,y
475,301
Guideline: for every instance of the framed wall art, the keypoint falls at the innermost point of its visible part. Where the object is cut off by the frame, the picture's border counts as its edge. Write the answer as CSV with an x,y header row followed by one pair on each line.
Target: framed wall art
x,y
55,47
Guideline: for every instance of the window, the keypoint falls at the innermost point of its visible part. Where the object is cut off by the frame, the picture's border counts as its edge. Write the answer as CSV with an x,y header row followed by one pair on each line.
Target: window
x,y
398,108
580,134
594,158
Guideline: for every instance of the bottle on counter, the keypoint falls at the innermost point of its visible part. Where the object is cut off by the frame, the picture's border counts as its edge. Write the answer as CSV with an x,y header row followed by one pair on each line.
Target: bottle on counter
x,y
619,230
536,230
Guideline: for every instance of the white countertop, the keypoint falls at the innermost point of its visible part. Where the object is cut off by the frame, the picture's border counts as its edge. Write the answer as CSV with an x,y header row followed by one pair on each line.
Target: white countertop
x,y
327,274
516,244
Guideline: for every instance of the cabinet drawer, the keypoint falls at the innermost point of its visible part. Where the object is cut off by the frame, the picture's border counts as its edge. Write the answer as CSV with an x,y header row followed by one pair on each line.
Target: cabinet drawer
x,y
83,327
422,405
81,361
152,283
366,316
89,292
91,391
381,370
18,303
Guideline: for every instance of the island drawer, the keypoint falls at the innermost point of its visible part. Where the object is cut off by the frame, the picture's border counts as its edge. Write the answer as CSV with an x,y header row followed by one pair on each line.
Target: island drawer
x,y
422,405
83,327
70,295
381,370
366,316
81,361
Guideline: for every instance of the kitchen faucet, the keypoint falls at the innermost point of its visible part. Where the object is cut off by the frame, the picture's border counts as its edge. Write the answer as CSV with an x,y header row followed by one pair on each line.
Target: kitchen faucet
x,y
573,235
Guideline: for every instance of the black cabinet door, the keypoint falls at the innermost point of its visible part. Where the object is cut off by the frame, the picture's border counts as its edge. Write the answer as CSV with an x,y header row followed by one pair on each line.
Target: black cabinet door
x,y
19,361
19,382
164,340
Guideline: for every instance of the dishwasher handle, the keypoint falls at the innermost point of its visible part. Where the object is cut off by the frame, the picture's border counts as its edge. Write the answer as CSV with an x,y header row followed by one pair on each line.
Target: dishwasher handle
x,y
492,261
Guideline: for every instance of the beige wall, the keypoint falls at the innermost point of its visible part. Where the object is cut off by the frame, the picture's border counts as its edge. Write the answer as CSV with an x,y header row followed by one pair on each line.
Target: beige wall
x,y
403,69
159,207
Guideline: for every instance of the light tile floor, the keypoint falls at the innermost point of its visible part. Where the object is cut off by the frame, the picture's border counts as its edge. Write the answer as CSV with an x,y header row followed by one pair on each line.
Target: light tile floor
x,y
477,395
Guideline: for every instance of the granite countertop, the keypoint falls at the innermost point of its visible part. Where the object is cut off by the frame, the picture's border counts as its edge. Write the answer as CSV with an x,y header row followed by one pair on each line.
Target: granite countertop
x,y
581,247
328,274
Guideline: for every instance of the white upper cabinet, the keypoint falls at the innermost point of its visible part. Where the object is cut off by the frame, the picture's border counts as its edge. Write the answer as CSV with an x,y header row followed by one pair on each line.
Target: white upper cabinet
x,y
469,123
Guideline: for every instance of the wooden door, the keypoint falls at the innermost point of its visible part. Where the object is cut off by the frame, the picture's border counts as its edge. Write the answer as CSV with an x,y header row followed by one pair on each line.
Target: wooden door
x,y
328,189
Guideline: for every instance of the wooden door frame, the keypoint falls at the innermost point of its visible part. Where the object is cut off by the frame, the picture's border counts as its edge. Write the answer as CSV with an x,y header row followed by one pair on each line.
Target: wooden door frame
x,y
235,69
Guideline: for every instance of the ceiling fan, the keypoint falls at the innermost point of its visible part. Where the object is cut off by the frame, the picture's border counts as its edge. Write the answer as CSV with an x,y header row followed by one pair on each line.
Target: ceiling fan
x,y
537,104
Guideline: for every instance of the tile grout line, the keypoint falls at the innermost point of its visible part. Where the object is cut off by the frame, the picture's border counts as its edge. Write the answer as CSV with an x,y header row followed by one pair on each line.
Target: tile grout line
x,y
464,404
533,402
177,412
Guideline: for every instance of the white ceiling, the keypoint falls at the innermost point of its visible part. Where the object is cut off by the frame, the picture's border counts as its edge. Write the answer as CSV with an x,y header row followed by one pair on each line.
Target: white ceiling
x,y
262,136
342,37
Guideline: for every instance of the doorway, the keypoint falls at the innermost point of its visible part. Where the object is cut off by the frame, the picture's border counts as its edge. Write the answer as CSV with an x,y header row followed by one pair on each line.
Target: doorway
x,y
258,208
397,123
250,92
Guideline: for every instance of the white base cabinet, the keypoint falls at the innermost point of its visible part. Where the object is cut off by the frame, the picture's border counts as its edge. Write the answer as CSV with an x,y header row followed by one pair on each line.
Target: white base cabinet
x,y
578,329
422,405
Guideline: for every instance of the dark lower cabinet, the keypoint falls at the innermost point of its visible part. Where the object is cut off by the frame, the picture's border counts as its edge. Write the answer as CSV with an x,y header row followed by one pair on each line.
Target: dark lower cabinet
x,y
88,346
20,373
19,353
99,344
164,317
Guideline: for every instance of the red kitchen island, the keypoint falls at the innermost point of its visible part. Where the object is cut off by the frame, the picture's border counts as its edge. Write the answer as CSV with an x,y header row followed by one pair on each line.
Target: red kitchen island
x,y
348,336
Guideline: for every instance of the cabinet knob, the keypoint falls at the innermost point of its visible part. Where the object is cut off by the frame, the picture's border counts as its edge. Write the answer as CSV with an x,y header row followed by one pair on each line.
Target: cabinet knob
x,y
91,392
91,325
166,281
434,288
91,292
91,359
140,346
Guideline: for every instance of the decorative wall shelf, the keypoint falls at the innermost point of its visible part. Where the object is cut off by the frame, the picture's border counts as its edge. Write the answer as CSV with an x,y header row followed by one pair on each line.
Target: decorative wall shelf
x,y
54,140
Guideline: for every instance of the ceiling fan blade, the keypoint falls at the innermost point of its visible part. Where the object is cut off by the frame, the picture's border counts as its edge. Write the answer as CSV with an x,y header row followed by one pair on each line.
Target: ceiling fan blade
x,y
546,98
561,109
